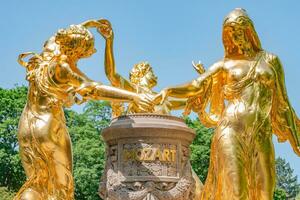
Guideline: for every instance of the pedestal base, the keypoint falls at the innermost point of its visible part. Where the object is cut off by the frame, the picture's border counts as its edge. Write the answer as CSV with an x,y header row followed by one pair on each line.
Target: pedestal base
x,y
147,158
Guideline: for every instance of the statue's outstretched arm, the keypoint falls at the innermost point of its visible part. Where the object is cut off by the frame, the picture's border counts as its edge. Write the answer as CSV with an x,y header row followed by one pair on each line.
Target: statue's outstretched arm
x,y
180,103
89,89
192,88
97,91
284,119
177,103
110,68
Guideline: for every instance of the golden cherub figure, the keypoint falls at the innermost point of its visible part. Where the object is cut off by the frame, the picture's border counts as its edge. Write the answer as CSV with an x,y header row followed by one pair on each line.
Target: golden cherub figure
x,y
247,100
141,80
55,82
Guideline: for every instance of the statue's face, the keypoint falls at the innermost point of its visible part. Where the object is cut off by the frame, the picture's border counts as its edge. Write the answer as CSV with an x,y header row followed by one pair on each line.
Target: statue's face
x,y
235,40
237,35
143,75
151,78
233,37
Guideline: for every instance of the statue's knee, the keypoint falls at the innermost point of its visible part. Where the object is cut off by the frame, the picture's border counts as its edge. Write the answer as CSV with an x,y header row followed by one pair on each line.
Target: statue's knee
x,y
29,194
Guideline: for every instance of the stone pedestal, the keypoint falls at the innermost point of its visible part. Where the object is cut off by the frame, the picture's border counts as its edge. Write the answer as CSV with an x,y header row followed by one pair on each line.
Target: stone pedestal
x,y
147,159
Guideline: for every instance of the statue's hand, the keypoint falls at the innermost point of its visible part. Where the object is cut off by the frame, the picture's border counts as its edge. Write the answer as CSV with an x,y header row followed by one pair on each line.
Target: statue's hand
x,y
85,91
105,29
161,97
144,103
85,88
198,67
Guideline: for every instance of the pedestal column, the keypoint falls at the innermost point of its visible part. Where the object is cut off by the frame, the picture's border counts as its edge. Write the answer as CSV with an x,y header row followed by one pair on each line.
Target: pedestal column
x,y
147,159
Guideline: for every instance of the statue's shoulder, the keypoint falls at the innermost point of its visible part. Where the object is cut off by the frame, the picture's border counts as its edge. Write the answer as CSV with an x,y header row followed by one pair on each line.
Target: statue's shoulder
x,y
218,65
58,62
271,58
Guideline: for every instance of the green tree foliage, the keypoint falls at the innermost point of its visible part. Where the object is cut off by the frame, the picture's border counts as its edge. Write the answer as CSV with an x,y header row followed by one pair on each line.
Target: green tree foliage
x,y
279,194
200,148
12,102
285,179
88,147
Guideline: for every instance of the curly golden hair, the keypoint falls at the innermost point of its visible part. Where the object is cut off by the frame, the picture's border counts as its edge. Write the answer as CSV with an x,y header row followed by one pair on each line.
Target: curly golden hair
x,y
75,39
139,71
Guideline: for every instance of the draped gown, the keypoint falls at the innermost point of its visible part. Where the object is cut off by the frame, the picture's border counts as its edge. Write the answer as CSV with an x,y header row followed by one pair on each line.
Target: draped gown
x,y
45,145
242,152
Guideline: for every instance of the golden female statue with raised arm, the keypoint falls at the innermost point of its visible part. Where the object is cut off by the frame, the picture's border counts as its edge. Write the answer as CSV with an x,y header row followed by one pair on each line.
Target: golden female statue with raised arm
x,y
142,79
55,82
248,102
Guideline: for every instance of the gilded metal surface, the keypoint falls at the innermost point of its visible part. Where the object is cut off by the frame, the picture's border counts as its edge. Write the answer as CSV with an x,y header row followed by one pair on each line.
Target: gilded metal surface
x,y
248,102
141,79
54,82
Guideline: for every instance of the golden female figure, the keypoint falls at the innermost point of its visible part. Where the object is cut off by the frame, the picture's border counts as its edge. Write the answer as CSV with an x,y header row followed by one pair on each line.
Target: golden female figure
x,y
54,82
248,102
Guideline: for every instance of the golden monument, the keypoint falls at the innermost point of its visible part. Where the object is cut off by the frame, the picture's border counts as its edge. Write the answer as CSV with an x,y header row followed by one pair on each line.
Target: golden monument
x,y
247,98
54,82
242,95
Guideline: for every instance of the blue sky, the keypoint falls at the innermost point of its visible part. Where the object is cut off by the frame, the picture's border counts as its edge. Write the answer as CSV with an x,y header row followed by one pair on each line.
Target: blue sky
x,y
168,34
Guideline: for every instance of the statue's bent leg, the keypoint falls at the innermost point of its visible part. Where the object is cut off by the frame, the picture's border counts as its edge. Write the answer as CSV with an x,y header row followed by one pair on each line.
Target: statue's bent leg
x,y
30,194
28,191
25,145
28,155
61,165
26,158
229,165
